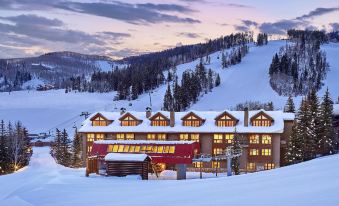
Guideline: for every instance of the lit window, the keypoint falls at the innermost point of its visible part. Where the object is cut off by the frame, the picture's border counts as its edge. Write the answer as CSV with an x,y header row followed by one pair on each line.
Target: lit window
x,y
129,136
254,139
229,138
183,137
266,139
269,166
192,121
89,149
120,136
171,150
100,136
131,148
261,121
217,151
129,121
155,149
266,152
195,137
160,137
225,121
99,121
126,148
251,166
90,137
159,121
217,138
121,148
254,152
197,164
150,136
166,149
137,149
215,164
115,148
160,149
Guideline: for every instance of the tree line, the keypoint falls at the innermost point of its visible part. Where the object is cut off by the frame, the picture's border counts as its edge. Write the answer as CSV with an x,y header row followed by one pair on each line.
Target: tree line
x,y
65,151
300,66
312,133
234,57
262,39
15,151
193,84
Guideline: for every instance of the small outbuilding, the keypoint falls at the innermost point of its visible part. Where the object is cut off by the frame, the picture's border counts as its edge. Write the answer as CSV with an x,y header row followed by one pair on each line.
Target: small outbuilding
x,y
123,164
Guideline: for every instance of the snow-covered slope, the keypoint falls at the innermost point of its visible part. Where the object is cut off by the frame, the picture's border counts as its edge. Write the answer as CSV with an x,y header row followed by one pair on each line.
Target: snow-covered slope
x,y
45,183
249,80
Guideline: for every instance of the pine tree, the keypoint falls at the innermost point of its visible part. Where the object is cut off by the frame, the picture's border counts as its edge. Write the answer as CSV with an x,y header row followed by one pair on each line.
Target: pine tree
x,y
76,151
217,81
223,60
4,153
327,141
168,100
236,160
294,146
210,80
289,107
65,154
314,121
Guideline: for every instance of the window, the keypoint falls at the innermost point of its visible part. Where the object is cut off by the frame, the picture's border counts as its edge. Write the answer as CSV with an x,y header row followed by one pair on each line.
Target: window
x,y
217,138
195,137
229,138
99,121
183,137
254,152
120,136
156,137
129,121
266,139
192,121
261,121
90,137
171,150
269,166
100,136
121,148
159,121
160,149
126,148
215,164
225,121
217,151
254,139
89,149
197,164
129,136
251,166
266,152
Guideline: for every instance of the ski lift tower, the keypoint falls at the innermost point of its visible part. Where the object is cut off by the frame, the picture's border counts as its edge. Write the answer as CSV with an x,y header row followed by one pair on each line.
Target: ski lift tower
x,y
229,154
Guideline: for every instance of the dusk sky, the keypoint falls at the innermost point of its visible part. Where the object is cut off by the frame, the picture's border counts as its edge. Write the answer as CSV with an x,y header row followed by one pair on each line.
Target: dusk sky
x,y
123,28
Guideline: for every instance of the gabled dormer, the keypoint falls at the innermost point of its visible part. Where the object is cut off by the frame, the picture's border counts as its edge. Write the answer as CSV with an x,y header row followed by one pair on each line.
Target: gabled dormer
x,y
225,119
261,119
100,120
159,119
192,120
129,120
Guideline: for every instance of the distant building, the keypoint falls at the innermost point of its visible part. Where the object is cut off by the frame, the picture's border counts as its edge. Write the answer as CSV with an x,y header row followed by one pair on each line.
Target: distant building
x,y
263,133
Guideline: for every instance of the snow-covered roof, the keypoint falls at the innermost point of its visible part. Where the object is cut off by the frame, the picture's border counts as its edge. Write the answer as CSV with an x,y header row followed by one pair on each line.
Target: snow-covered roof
x,y
141,142
208,126
336,109
125,157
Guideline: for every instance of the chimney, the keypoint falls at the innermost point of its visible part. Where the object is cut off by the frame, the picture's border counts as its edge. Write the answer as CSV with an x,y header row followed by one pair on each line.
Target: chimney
x,y
122,110
172,118
246,117
148,112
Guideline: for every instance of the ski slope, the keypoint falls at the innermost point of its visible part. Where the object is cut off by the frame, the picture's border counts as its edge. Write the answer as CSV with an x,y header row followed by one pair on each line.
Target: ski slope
x,y
249,80
44,183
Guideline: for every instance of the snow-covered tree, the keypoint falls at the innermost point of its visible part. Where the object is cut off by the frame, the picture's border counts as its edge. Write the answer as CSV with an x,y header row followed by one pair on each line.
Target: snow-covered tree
x,y
289,107
76,151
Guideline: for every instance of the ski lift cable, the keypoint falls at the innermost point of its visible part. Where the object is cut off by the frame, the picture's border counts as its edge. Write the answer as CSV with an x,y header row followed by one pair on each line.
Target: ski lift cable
x,y
65,122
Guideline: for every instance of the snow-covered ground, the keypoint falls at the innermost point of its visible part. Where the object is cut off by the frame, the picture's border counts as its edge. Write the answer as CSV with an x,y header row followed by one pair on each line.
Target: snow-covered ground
x,y
45,183
249,80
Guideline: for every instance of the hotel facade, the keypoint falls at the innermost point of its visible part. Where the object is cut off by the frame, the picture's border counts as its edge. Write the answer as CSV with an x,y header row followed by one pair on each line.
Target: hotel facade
x,y
263,134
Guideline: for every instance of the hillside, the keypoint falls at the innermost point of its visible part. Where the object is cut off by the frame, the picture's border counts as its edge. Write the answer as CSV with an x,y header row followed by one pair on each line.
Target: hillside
x,y
44,182
249,80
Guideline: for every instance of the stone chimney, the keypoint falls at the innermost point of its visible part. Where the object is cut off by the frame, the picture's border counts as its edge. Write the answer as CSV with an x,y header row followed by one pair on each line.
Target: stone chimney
x,y
246,117
172,118
148,112
122,110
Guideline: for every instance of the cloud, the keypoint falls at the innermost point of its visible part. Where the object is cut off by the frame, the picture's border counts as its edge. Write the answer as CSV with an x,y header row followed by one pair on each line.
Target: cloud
x,y
33,20
189,35
131,13
246,25
317,12
238,5
281,27
249,23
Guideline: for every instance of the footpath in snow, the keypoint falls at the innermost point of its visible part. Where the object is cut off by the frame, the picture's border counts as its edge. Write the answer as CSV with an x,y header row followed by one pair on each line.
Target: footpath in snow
x,y
44,183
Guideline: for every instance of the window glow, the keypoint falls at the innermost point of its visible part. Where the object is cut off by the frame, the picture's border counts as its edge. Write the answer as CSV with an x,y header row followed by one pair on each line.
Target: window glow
x,y
254,152
217,138
266,139
266,152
